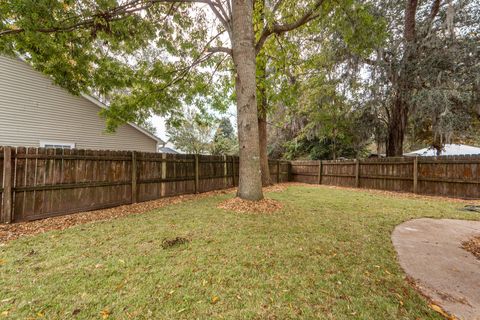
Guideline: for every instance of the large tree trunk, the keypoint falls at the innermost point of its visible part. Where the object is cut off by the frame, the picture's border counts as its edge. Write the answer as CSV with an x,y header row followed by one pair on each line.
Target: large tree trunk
x,y
262,132
396,129
399,112
262,96
243,50
262,118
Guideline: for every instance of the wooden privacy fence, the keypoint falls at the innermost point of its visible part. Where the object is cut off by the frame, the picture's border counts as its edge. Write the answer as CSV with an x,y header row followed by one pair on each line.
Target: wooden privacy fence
x,y
37,183
457,176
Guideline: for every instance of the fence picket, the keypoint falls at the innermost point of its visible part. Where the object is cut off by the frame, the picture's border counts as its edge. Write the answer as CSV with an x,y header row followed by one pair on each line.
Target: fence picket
x,y
7,186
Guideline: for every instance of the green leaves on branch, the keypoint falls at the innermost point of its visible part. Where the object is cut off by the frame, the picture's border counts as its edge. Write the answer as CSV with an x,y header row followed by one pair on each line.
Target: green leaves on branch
x,y
140,57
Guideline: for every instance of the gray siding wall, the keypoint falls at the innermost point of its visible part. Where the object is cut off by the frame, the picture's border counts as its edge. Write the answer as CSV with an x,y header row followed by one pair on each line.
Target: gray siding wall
x,y
32,108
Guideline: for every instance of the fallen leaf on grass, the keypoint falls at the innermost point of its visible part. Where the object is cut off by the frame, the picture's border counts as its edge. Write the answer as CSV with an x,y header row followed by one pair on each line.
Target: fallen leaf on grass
x,y
105,314
215,299
443,313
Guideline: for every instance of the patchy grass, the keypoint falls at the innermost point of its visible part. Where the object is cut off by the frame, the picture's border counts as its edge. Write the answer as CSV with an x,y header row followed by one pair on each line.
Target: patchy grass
x,y
326,254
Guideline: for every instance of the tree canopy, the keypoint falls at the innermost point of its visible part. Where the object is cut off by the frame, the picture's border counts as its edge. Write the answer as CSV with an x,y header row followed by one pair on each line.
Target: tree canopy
x,y
431,98
225,140
193,133
336,73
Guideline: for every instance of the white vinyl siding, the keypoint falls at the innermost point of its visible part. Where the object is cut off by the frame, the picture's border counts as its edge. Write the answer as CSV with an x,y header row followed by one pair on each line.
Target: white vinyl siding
x,y
33,109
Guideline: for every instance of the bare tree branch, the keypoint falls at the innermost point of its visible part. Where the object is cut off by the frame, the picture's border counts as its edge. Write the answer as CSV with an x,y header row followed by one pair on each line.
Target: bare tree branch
x,y
431,17
278,29
220,49
277,5
216,49
121,12
114,14
215,70
229,8
223,19
435,8
409,31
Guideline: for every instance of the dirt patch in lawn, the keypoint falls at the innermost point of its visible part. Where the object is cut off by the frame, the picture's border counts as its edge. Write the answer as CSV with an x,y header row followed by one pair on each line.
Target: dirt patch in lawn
x,y
244,206
173,242
473,246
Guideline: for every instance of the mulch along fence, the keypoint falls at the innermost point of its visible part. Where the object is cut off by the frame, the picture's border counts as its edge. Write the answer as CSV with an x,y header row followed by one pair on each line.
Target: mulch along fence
x,y
37,183
452,176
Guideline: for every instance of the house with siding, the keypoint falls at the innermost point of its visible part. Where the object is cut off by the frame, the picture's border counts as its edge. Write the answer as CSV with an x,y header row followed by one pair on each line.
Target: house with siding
x,y
34,112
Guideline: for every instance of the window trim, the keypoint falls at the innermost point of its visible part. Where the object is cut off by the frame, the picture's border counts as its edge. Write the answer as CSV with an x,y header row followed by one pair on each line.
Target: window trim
x,y
57,143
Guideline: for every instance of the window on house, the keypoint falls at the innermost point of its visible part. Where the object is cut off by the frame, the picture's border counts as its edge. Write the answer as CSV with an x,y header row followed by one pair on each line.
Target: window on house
x,y
57,144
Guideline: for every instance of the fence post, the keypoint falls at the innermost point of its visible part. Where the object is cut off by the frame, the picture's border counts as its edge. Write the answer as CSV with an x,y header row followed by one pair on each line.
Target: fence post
x,y
233,170
289,171
415,174
225,172
196,174
319,175
164,175
357,173
278,171
7,186
134,177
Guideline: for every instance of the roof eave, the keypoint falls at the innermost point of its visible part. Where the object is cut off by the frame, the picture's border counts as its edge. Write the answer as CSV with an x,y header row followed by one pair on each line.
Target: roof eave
x,y
142,130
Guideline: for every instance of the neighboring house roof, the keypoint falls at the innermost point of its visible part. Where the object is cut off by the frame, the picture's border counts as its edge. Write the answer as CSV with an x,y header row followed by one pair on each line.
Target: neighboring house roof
x,y
448,150
142,130
167,150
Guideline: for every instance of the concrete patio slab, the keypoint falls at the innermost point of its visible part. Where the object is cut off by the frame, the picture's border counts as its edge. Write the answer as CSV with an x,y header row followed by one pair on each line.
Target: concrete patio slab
x,y
429,250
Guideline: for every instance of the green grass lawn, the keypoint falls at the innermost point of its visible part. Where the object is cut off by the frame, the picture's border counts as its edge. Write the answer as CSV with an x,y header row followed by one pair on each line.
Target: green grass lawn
x,y
326,255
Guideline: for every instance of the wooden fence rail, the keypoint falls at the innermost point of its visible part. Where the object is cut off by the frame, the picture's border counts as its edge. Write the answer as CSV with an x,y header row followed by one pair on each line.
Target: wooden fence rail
x,y
457,176
37,183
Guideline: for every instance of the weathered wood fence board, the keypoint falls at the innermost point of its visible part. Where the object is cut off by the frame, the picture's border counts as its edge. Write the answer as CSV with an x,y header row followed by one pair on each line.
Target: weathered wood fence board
x,y
37,183
279,170
457,176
